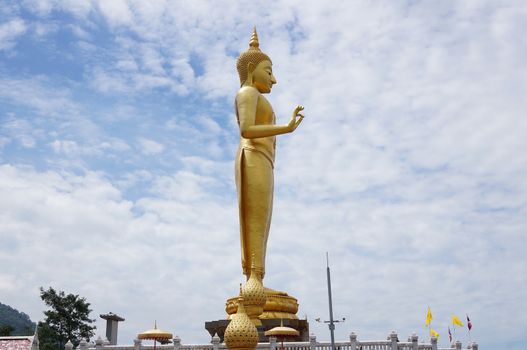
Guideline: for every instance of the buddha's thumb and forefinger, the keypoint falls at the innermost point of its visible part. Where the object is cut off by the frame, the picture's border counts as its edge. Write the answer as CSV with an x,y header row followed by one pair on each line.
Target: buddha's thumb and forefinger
x,y
294,122
298,109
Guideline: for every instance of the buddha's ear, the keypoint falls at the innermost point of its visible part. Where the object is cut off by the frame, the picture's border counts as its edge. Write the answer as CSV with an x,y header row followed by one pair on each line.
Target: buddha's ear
x,y
250,69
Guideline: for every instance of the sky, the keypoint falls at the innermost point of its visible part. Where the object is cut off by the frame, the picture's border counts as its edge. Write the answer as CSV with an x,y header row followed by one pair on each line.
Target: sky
x,y
117,145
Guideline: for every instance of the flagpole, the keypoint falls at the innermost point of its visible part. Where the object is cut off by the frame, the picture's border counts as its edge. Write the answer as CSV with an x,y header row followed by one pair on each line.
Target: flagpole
x,y
331,322
429,330
454,328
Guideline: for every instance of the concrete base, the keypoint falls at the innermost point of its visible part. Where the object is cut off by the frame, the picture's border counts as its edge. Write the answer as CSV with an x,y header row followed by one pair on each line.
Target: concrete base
x,y
302,326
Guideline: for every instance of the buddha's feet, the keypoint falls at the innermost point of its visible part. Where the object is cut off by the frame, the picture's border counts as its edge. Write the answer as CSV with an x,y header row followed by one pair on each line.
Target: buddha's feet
x,y
278,305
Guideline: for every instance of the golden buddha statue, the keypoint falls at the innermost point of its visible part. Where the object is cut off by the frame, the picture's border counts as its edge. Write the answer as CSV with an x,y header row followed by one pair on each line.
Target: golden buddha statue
x,y
254,174
255,156
254,165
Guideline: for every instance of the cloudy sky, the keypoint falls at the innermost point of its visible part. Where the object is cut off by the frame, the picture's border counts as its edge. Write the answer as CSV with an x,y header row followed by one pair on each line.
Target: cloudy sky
x,y
117,143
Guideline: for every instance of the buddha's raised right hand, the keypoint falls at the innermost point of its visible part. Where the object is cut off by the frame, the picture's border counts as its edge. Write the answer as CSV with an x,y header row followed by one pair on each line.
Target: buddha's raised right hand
x,y
296,119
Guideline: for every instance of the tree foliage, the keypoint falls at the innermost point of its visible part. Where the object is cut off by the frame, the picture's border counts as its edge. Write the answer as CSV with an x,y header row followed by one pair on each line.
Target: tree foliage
x,y
6,330
68,318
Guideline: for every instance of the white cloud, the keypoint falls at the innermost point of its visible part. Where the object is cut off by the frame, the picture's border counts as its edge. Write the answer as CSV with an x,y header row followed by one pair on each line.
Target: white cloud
x,y
397,251
20,130
10,31
150,146
7,283
66,146
80,32
116,12
35,93
42,29
71,148
72,222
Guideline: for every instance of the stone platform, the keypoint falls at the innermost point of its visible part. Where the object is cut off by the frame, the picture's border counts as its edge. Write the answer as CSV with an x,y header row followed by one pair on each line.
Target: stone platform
x,y
302,326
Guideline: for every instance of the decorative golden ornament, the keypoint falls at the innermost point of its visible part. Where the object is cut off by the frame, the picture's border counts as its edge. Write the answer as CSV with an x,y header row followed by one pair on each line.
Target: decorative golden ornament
x,y
241,333
282,332
155,335
253,293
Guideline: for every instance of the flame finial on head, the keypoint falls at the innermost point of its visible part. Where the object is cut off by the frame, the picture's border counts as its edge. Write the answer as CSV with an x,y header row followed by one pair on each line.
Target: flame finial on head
x,y
253,43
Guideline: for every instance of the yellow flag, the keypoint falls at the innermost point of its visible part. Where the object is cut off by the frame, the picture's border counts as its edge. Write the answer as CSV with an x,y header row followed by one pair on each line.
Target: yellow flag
x,y
428,317
434,333
456,321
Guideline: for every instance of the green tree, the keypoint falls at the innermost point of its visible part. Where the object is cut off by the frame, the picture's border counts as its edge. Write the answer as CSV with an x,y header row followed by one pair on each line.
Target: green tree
x,y
67,319
6,330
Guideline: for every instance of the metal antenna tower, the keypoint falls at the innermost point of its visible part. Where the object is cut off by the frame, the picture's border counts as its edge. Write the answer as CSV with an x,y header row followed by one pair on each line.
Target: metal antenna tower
x,y
331,321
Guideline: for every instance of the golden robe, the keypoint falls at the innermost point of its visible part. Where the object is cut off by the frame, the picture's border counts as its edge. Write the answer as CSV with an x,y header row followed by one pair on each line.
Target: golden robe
x,y
255,186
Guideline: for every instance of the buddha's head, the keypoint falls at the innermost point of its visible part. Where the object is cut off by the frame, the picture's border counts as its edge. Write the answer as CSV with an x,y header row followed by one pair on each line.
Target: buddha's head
x,y
255,67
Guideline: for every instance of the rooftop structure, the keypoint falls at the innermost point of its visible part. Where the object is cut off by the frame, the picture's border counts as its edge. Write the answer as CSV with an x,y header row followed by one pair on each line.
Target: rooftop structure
x,y
112,321
19,343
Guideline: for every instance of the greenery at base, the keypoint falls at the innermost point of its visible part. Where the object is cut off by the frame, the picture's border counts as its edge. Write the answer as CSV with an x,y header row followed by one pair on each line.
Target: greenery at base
x,y
14,322
68,318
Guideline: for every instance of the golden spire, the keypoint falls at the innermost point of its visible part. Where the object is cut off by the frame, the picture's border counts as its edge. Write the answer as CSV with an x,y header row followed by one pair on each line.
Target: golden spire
x,y
241,333
253,43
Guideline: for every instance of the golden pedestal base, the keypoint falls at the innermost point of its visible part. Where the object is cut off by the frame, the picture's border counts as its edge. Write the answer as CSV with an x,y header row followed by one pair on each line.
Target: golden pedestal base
x,y
279,305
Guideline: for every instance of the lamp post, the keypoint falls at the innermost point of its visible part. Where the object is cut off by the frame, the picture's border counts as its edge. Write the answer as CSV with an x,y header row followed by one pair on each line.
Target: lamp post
x,y
331,321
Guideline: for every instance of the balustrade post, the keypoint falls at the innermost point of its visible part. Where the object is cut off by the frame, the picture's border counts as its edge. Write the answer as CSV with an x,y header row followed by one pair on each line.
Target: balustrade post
x,y
312,342
394,339
215,342
474,346
433,340
353,341
137,344
69,345
99,343
177,342
83,345
272,343
414,339
458,345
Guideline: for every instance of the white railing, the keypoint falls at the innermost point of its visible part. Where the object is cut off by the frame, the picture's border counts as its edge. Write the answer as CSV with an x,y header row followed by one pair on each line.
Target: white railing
x,y
392,343
405,346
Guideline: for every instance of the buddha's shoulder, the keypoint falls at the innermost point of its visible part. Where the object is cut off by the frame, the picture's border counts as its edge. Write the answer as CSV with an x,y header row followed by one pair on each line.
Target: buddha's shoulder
x,y
248,92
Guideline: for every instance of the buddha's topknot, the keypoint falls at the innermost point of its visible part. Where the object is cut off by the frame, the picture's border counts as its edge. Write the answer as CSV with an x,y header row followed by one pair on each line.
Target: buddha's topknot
x,y
252,55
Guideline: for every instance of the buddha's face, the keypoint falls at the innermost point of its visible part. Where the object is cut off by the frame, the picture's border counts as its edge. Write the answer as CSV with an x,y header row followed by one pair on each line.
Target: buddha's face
x,y
263,78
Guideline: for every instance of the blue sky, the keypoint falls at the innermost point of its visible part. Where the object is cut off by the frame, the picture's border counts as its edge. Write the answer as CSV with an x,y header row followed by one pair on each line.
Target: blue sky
x,y
118,135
